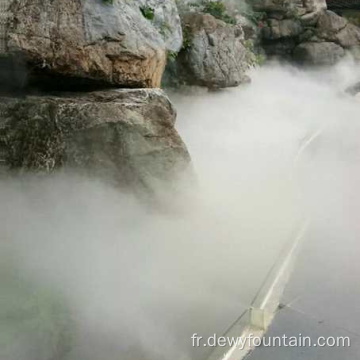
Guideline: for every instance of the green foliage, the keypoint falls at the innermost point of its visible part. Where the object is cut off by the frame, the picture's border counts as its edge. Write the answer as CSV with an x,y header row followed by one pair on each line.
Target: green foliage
x,y
249,45
254,56
253,16
165,29
260,59
148,12
218,10
187,37
108,2
171,56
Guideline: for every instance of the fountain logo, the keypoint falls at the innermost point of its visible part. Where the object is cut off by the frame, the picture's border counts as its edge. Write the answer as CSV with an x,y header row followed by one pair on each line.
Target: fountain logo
x,y
251,341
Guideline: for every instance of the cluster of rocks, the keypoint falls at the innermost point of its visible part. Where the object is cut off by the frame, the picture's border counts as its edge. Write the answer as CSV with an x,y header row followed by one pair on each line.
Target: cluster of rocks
x,y
80,51
102,45
126,135
305,31
120,43
217,51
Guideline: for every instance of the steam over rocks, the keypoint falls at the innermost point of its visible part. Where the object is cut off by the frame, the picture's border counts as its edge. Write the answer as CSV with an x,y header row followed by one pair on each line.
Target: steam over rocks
x,y
127,136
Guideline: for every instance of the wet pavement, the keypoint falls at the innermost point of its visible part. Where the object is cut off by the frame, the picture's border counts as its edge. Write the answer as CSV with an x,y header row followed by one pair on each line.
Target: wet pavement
x,y
321,299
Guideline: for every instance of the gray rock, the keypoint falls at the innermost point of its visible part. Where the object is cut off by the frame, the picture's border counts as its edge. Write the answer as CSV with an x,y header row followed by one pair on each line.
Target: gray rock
x,y
349,37
277,29
310,19
272,5
329,24
214,55
309,32
315,5
333,27
166,21
125,136
278,9
248,27
323,53
90,39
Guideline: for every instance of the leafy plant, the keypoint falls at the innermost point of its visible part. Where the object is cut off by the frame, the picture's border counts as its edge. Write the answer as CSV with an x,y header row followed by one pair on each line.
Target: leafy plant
x,y
148,12
218,10
254,16
260,59
165,29
187,37
253,55
108,2
171,56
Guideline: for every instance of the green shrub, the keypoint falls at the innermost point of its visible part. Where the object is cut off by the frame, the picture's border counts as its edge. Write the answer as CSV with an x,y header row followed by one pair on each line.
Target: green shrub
x,y
187,37
254,16
218,10
108,2
171,56
148,12
165,29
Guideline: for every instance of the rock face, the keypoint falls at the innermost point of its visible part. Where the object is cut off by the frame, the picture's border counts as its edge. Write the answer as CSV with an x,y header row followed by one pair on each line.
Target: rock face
x,y
332,27
166,21
127,136
324,53
110,43
214,55
306,32
288,8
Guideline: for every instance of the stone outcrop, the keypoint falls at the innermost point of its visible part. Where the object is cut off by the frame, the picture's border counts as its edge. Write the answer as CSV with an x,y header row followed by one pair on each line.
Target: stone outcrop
x,y
332,27
127,136
304,31
98,41
214,54
289,8
323,53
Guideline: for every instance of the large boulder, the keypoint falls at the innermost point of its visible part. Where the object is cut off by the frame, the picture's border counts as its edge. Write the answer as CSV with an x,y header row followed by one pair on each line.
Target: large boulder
x,y
213,55
101,41
333,27
322,53
126,136
329,24
278,29
349,37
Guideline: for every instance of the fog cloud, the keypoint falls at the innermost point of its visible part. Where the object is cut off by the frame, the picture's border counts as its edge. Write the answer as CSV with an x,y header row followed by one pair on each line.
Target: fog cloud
x,y
135,282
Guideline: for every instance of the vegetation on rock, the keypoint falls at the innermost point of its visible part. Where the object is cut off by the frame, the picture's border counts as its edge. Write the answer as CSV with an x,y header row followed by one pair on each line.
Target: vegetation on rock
x,y
148,12
218,10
